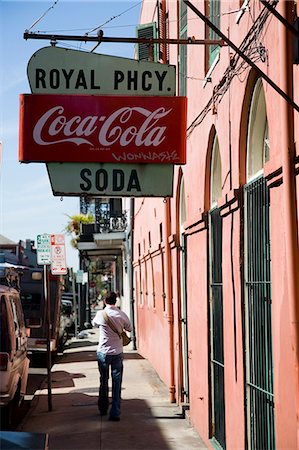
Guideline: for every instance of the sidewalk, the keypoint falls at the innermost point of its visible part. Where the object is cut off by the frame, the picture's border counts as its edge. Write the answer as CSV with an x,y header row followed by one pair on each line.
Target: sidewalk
x,y
148,420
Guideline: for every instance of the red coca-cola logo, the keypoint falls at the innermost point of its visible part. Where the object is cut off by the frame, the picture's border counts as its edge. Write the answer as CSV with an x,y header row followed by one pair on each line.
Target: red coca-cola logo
x,y
75,128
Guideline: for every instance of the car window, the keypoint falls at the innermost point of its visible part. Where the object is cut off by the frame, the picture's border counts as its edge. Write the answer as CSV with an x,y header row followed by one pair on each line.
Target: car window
x,y
5,344
31,303
15,316
19,311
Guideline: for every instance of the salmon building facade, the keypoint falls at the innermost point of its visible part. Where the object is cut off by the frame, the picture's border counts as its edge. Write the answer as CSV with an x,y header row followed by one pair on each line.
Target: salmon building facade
x,y
215,267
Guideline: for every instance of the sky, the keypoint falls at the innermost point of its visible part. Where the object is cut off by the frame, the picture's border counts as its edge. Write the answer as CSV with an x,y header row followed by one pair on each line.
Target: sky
x,y
27,205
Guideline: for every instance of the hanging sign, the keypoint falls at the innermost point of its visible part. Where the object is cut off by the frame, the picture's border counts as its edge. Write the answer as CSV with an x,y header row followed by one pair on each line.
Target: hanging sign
x,y
63,71
76,128
58,259
120,180
43,249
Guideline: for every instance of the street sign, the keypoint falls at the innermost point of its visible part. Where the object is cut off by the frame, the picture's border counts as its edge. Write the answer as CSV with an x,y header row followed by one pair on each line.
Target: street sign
x,y
63,71
43,249
58,257
118,180
85,278
84,128
79,276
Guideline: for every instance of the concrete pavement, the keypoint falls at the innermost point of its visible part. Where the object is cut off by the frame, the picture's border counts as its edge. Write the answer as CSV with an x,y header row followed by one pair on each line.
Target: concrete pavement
x,y
148,420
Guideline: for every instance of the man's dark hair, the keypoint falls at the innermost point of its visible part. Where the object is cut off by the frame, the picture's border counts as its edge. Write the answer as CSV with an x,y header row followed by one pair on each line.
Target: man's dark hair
x,y
110,298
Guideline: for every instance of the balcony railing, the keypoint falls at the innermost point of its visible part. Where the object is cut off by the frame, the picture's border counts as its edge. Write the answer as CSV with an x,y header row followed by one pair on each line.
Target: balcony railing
x,y
107,222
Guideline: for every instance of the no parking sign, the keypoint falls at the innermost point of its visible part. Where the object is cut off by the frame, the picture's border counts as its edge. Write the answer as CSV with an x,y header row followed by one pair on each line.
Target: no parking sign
x,y
58,259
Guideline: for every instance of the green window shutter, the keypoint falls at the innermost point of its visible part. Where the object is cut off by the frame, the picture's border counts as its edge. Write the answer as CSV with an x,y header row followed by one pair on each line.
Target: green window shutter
x,y
183,66
147,31
183,49
215,19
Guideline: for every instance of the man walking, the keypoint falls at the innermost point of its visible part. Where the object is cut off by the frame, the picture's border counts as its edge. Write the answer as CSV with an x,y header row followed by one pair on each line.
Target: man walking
x,y
110,353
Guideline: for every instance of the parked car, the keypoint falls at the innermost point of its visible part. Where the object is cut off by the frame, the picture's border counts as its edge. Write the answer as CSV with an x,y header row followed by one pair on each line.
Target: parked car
x,y
14,363
35,309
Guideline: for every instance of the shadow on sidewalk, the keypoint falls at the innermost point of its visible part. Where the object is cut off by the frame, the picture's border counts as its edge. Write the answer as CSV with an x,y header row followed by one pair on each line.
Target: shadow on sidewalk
x,y
78,344
132,356
82,356
75,424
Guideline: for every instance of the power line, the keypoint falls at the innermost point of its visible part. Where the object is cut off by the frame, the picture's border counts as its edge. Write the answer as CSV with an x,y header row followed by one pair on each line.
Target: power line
x,y
113,17
70,30
224,13
43,15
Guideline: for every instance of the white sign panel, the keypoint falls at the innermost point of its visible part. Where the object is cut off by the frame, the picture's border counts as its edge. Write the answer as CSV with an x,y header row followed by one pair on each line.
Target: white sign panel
x,y
58,258
85,278
118,180
62,71
43,249
79,276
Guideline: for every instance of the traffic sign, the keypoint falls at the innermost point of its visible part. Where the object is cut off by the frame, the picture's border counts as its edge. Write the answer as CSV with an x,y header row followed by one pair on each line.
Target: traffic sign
x,y
58,259
79,276
43,249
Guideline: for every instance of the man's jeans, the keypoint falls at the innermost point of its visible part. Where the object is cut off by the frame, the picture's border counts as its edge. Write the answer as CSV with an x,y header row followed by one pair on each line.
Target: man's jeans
x,y
116,363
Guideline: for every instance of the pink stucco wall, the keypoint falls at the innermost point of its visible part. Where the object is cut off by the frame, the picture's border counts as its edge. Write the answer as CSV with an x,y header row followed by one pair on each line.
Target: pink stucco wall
x,y
230,122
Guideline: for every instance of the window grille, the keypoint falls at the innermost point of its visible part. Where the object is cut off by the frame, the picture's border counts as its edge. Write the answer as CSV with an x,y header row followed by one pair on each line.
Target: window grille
x,y
260,398
84,205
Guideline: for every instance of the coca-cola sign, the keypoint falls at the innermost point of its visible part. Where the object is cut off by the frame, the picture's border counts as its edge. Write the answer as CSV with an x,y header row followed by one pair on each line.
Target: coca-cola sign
x,y
82,128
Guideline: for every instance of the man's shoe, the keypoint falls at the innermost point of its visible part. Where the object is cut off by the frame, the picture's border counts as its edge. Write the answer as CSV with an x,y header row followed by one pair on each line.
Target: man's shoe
x,y
114,418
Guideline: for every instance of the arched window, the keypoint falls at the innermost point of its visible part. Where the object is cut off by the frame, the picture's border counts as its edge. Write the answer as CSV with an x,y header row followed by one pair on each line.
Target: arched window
x,y
217,424
216,179
182,206
258,149
257,281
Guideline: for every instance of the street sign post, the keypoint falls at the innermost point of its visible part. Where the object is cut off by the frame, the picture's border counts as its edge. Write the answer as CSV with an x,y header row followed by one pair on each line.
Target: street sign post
x,y
43,250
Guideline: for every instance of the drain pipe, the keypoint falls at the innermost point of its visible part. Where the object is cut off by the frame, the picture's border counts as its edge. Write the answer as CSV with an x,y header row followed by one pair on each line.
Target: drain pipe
x,y
289,189
168,288
131,273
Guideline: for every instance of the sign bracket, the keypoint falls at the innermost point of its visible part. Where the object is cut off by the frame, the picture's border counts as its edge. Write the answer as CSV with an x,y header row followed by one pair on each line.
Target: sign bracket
x,y
53,38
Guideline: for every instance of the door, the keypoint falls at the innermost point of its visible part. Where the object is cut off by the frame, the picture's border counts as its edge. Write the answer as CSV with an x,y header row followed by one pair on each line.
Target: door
x,y
183,319
216,329
258,322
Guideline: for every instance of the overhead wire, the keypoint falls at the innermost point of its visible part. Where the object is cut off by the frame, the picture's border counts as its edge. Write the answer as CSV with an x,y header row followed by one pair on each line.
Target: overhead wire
x,y
234,11
113,18
236,67
43,15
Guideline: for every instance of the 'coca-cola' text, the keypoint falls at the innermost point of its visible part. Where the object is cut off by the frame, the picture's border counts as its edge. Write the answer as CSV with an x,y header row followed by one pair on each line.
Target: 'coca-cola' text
x,y
54,127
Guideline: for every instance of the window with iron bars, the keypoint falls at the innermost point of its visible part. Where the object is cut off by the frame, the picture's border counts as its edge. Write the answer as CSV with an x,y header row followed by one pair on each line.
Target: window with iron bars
x,y
258,306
